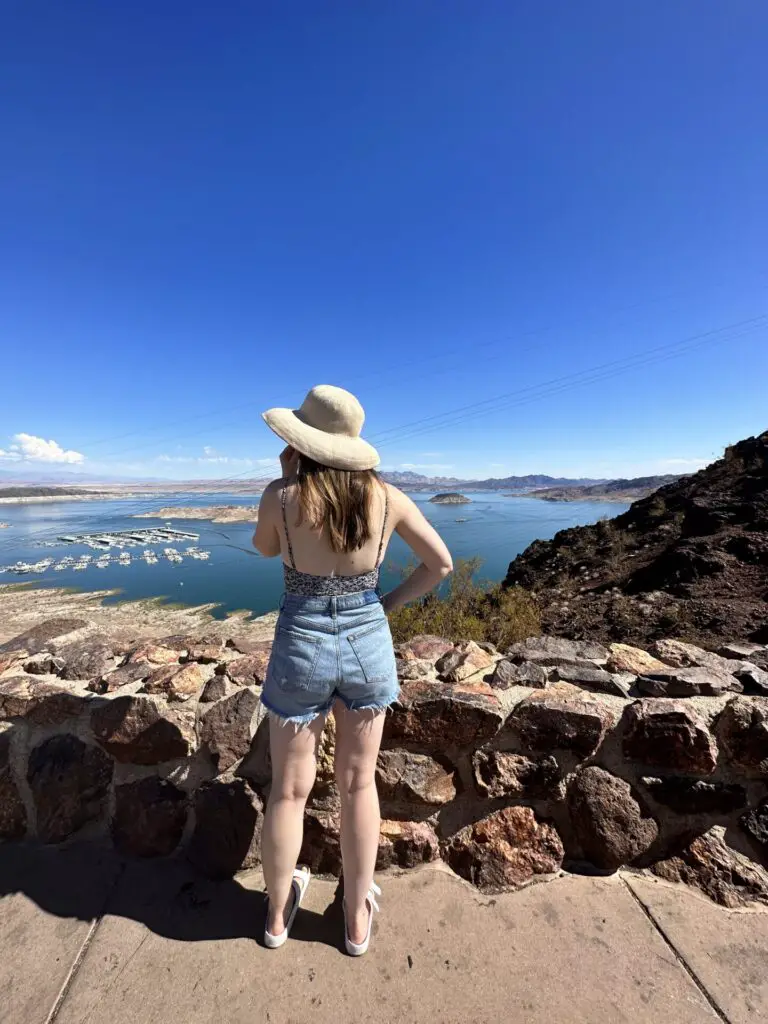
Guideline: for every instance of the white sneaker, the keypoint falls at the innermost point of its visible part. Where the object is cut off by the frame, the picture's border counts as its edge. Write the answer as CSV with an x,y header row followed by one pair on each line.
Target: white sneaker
x,y
299,885
355,948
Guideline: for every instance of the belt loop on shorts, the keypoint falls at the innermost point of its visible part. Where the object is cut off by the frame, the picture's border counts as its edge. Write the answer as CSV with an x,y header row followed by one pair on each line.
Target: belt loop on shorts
x,y
334,601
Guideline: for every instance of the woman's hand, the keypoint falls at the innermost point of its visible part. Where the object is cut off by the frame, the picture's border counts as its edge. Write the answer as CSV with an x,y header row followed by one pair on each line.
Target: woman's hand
x,y
289,462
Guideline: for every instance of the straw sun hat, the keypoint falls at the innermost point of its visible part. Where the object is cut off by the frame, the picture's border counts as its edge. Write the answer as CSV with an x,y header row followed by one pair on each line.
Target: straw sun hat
x,y
326,428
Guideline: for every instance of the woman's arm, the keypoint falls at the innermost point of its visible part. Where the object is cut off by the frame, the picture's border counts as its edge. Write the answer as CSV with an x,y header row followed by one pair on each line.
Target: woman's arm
x,y
427,544
266,538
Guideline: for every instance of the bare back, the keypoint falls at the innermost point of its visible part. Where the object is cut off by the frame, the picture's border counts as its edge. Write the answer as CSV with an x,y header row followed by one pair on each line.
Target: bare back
x,y
307,549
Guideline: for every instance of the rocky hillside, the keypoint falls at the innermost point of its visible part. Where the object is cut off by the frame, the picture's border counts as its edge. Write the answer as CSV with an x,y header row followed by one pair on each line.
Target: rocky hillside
x,y
690,560
611,490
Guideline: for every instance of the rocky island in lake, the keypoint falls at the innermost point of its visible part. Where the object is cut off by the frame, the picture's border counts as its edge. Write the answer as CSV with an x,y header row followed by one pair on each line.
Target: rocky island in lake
x,y
214,513
450,498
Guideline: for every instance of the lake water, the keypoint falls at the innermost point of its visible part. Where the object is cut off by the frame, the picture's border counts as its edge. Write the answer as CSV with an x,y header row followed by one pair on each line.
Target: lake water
x,y
235,576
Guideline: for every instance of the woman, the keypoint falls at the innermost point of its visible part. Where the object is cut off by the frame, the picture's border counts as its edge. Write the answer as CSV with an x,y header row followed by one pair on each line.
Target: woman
x,y
330,517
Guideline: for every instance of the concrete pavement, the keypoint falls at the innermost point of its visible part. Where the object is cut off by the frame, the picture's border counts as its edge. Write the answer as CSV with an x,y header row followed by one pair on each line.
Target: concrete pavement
x,y
87,939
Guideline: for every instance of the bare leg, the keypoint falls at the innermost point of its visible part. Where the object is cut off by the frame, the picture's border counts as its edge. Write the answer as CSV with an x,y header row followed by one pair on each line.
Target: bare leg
x,y
293,775
358,737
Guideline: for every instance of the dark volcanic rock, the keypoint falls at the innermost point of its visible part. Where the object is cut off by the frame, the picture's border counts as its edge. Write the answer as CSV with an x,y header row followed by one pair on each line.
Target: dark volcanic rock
x,y
321,850
682,655
244,645
34,699
131,673
39,637
433,715
13,816
250,670
176,682
707,864
541,648
695,796
227,833
593,678
507,674
44,664
218,686
424,648
227,729
149,817
742,651
669,734
742,732
688,559
499,774
205,653
687,682
413,778
466,660
69,783
608,819
135,731
85,659
755,824
13,659
406,844
753,679
546,723
155,654
505,850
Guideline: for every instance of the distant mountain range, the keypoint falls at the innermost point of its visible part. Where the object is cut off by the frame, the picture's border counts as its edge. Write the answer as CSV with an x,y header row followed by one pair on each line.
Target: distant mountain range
x,y
416,481
609,490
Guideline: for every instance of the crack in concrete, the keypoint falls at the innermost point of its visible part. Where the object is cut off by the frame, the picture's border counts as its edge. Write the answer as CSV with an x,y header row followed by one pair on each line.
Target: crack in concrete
x,y
713,1003
78,961
73,971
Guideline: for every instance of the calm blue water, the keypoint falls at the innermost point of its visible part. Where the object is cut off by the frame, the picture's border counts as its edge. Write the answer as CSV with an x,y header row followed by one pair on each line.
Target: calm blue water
x,y
497,529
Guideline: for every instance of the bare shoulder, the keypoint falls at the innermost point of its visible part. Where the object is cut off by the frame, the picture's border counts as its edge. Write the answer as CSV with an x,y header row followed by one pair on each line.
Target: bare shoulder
x,y
400,505
270,495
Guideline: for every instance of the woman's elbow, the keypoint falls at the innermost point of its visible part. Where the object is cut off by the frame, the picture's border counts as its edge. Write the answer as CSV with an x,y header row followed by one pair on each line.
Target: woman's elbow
x,y
445,568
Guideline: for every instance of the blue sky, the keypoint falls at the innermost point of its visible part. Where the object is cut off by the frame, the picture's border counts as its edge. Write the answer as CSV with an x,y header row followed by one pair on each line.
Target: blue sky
x,y
207,208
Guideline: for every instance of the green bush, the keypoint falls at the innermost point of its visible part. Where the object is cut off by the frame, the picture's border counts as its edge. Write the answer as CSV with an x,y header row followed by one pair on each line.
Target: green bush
x,y
469,609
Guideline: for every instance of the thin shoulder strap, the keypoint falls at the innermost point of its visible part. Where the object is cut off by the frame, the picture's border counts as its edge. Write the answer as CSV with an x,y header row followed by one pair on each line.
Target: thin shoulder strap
x,y
285,524
383,526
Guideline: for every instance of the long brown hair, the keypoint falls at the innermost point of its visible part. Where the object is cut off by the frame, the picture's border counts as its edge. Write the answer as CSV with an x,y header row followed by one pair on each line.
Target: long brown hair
x,y
339,501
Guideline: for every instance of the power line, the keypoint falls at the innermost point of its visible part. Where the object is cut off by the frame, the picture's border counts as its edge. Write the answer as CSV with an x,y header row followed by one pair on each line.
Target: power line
x,y
523,396
762,318
457,351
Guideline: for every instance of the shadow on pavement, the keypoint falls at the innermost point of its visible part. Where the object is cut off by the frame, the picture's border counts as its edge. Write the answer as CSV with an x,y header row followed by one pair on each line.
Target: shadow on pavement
x,y
86,881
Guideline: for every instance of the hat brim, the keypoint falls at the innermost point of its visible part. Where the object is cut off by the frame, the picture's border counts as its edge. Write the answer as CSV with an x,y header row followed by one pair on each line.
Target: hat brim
x,y
336,450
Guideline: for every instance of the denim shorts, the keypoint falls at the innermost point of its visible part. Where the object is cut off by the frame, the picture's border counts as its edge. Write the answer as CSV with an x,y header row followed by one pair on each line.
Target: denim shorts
x,y
329,648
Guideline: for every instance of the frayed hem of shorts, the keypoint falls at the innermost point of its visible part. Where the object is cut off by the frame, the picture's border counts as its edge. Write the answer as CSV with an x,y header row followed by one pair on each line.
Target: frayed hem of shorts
x,y
297,722
375,707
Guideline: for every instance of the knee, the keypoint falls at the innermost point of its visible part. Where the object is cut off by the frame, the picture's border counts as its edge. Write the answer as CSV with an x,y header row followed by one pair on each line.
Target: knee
x,y
293,789
354,780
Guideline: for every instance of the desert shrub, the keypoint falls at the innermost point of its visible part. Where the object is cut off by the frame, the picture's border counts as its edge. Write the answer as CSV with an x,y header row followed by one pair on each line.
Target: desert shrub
x,y
469,609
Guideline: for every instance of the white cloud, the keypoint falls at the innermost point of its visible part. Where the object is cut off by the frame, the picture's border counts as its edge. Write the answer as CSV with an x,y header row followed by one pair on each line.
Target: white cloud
x,y
209,451
425,465
431,455
29,448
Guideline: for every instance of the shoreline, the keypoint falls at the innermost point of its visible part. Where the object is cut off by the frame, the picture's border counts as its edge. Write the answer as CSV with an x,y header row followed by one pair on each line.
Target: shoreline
x,y
23,605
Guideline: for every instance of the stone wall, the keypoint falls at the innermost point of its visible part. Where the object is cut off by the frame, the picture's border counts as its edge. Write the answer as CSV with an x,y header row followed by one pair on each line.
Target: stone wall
x,y
557,754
